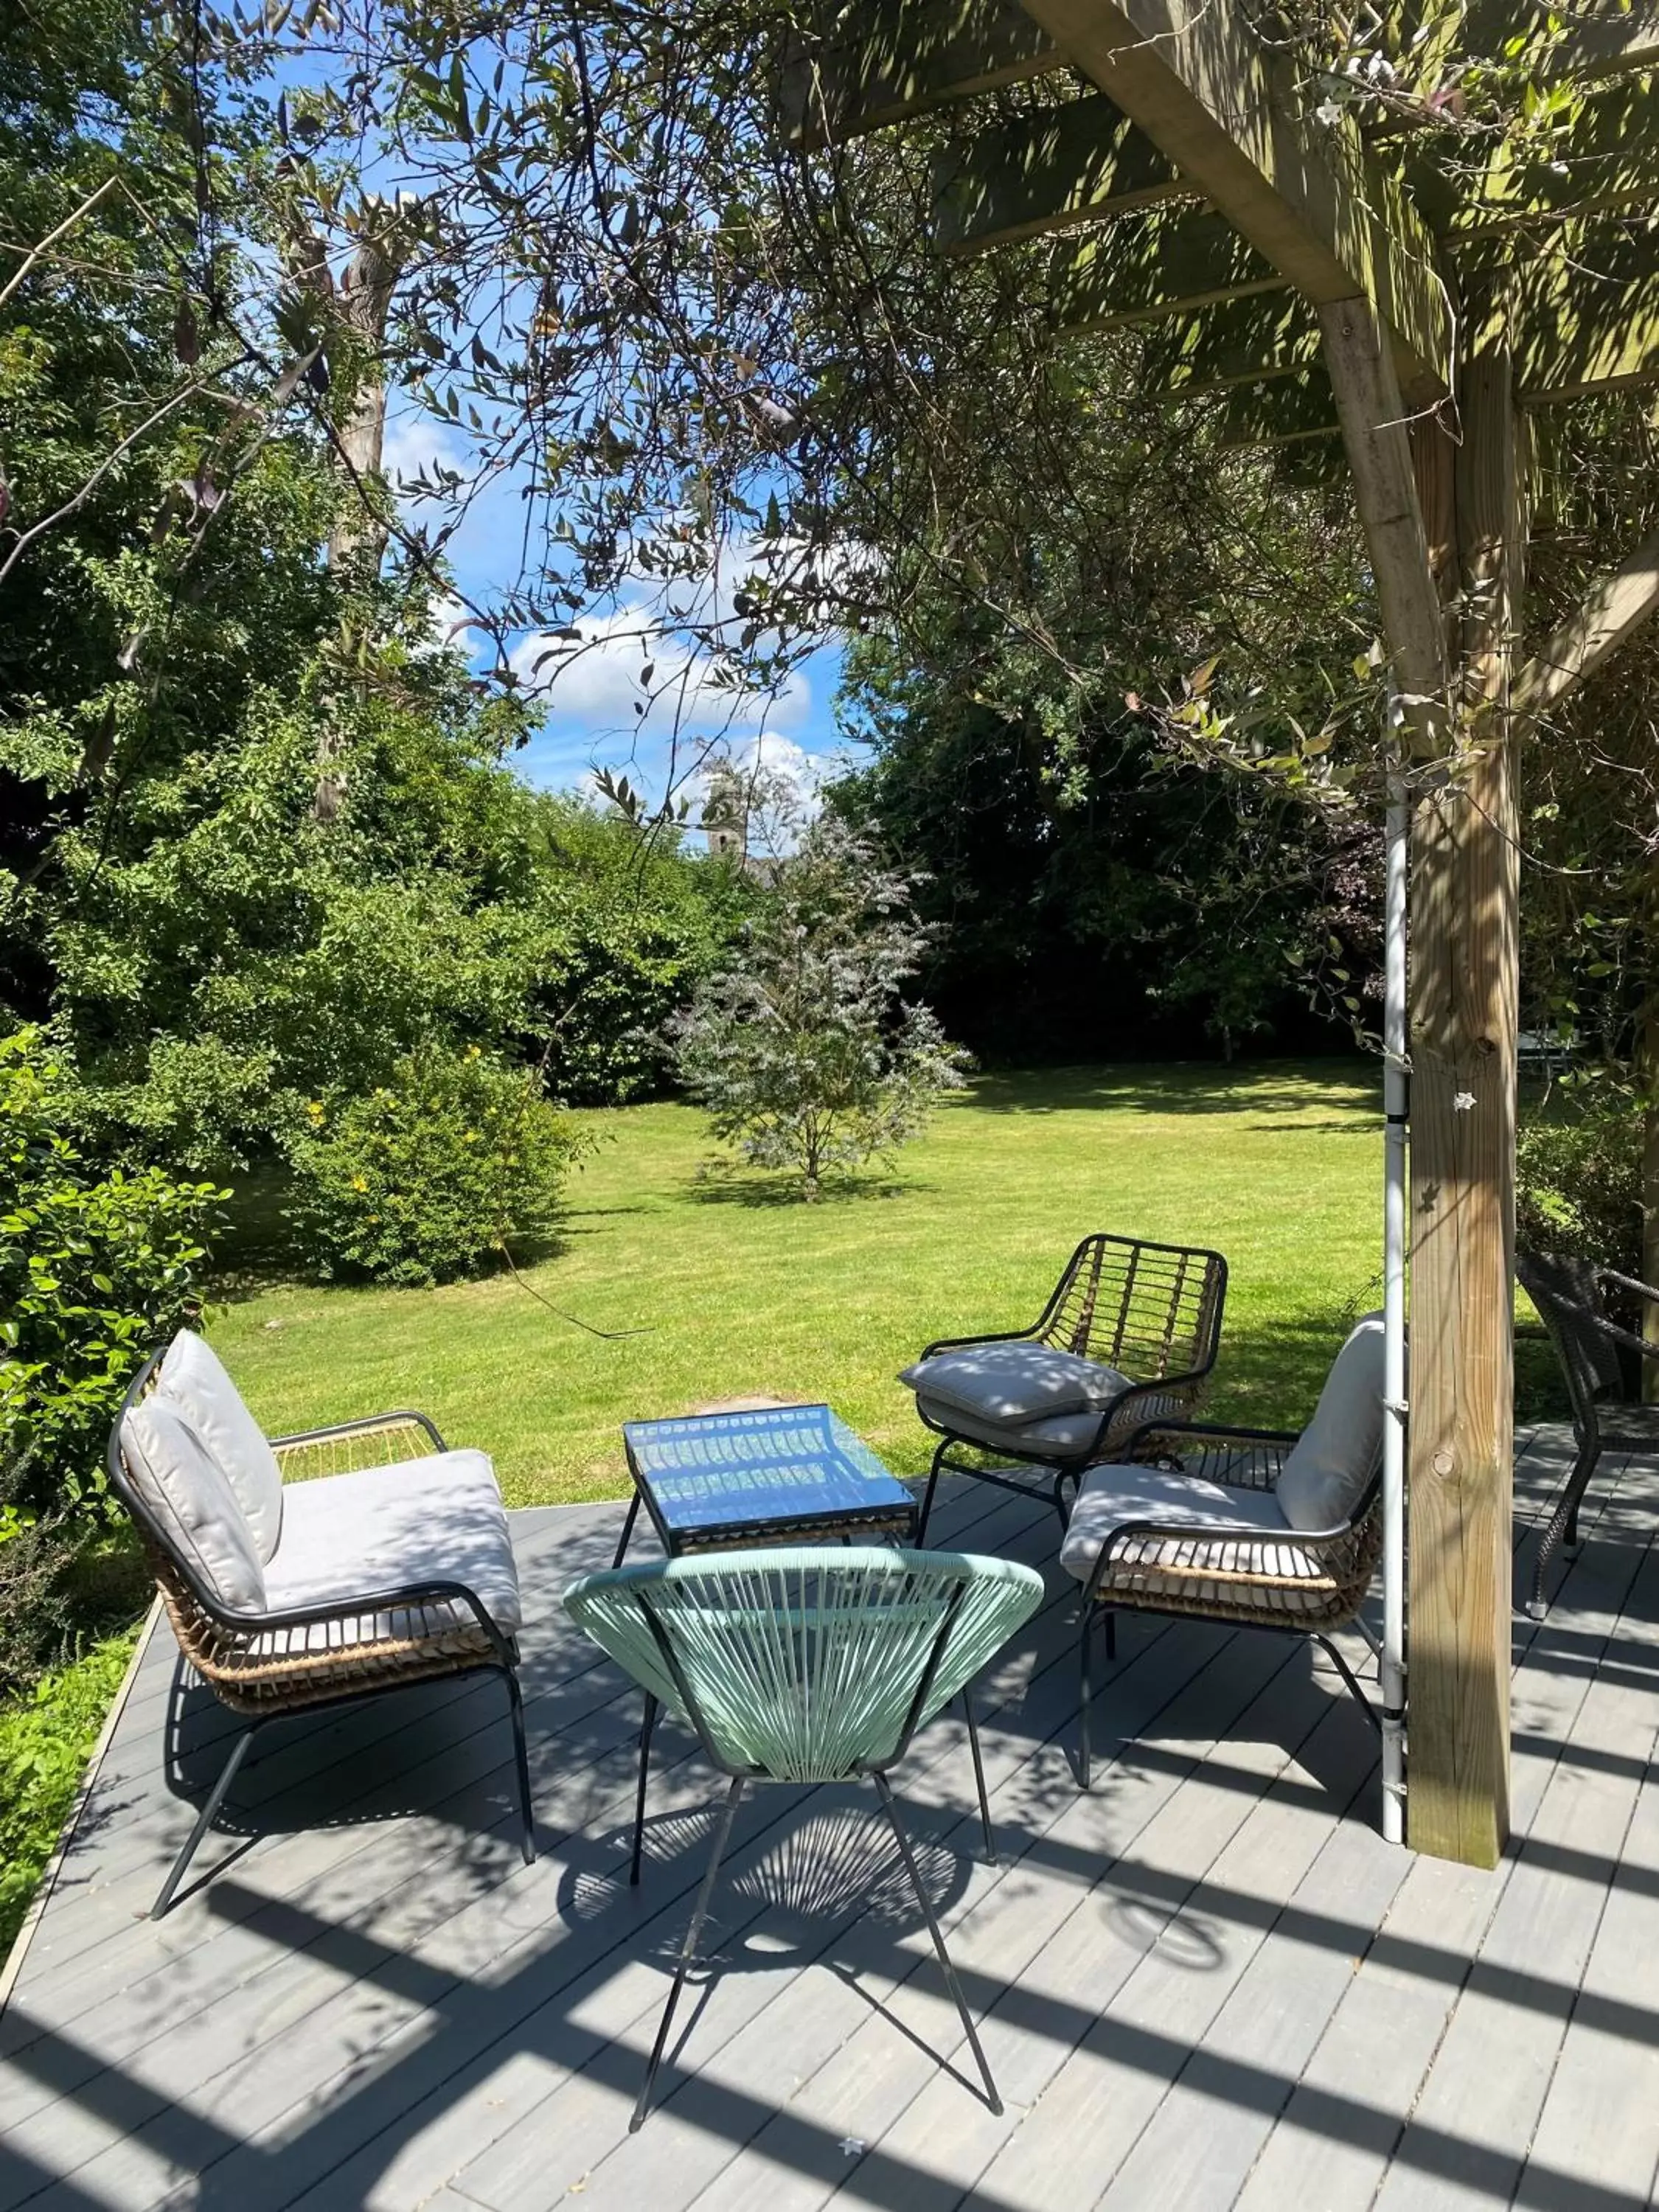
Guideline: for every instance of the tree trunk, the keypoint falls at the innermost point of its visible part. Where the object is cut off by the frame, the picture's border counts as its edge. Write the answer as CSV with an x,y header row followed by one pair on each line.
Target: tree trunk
x,y
359,308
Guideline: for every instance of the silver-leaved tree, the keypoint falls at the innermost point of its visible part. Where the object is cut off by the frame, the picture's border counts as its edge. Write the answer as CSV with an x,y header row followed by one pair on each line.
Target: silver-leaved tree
x,y
804,1052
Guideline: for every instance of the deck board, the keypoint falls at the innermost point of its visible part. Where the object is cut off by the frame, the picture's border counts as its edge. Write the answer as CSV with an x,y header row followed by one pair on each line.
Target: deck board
x,y
1207,1983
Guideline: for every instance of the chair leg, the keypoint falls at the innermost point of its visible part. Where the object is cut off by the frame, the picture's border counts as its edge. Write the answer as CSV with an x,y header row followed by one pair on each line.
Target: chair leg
x,y
1563,1520
978,1779
928,1494
204,1819
649,1723
1352,1681
688,1948
521,1758
1085,1689
884,1790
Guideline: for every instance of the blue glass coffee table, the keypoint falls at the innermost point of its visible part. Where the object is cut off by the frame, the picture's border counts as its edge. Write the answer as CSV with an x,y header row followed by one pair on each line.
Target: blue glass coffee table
x,y
780,1474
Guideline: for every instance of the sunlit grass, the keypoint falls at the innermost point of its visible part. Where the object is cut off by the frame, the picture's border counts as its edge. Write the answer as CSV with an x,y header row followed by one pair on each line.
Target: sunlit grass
x,y
737,1290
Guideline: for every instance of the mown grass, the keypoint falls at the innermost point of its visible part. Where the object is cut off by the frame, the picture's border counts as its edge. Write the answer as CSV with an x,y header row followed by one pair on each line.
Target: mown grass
x,y
735,1288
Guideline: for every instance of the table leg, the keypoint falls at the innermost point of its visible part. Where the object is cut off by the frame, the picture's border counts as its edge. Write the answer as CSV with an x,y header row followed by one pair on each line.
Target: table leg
x,y
627,1529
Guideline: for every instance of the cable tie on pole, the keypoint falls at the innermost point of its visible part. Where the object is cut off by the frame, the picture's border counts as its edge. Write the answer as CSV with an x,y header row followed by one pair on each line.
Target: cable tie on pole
x,y
1401,1405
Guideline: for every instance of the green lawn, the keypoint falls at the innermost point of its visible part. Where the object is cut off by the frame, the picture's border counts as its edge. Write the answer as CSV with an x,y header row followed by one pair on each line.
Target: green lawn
x,y
738,1291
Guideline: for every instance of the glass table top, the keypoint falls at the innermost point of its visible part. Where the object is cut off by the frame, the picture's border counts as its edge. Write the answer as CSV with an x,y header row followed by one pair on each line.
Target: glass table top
x,y
779,1463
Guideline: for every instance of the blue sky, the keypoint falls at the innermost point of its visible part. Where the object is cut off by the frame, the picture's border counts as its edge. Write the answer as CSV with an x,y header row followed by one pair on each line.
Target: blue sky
x,y
590,717
591,720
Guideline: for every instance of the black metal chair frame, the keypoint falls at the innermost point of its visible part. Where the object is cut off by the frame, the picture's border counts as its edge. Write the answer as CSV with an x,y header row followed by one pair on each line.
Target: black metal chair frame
x,y
502,1656
1240,1615
1185,1384
1567,1292
740,1778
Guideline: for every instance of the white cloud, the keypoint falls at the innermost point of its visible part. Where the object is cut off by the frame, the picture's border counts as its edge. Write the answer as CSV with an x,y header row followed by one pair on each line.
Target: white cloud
x,y
601,680
415,444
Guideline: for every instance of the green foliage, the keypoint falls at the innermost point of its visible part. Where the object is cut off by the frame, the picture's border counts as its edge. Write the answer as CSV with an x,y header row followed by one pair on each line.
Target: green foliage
x,y
1101,892
97,1265
431,1175
628,922
1578,1185
44,1741
804,1054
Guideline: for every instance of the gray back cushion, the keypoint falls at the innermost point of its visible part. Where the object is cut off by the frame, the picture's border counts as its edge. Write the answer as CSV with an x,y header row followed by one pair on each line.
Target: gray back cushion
x,y
198,1512
1011,1385
1331,1465
192,1378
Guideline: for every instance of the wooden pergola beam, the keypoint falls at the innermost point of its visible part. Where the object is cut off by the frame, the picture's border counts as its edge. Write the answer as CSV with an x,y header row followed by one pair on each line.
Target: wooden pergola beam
x,y
1614,606
1605,156
1372,413
874,66
1250,341
1291,412
1055,171
1587,313
1581,43
1148,267
1307,196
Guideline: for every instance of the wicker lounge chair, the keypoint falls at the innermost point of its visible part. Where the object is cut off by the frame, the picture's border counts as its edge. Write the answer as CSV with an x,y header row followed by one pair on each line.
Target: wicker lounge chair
x,y
1129,1336
1256,1527
394,1566
805,1666
1571,1298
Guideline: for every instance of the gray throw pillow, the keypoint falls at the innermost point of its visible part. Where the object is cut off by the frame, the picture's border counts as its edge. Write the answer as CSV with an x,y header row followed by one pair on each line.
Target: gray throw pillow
x,y
1011,1385
197,1511
1330,1466
194,1378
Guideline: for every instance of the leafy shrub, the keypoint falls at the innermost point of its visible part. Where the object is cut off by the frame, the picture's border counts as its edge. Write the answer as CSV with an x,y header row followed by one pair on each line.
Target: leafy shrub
x,y
425,1178
806,1057
1578,1185
44,1743
97,1265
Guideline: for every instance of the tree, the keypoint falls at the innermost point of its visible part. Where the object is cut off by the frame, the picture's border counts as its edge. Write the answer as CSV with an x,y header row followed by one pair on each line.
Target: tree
x,y
806,1055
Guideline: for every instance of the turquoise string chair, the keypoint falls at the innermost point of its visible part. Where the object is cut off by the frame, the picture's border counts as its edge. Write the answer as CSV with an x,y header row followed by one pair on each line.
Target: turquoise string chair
x,y
804,1666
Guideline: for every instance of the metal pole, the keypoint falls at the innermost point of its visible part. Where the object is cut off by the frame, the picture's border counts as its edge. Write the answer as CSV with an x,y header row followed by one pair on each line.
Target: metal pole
x,y
1396,1095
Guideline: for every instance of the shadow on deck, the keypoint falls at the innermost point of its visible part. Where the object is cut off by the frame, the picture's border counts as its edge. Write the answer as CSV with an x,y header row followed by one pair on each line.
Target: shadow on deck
x,y
1208,1984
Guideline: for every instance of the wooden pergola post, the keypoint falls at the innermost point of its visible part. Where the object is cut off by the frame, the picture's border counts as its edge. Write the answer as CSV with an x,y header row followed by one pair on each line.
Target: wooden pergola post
x,y
1464,911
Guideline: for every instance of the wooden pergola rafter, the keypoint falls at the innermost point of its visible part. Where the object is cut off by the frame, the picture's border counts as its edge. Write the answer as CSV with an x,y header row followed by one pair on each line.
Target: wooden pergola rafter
x,y
1323,273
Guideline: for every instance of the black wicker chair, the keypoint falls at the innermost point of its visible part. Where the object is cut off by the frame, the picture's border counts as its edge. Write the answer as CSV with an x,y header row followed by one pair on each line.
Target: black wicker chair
x,y
1571,1298
1152,1311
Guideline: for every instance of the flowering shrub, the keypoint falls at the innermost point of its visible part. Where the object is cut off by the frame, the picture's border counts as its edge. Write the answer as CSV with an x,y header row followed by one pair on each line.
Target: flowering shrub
x,y
428,1176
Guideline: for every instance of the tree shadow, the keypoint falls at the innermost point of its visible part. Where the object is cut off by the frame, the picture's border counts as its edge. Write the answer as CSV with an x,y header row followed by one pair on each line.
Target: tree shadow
x,y
759,1190
1192,1087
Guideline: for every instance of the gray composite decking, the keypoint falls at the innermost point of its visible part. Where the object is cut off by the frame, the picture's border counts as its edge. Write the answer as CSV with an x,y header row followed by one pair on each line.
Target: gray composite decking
x,y
1208,1984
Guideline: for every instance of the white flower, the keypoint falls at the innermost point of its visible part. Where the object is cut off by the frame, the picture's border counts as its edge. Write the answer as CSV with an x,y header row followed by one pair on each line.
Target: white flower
x,y
1327,113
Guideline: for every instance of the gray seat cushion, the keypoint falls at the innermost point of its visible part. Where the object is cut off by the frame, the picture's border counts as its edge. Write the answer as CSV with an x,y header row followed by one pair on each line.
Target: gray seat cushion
x,y
1330,1466
195,1508
346,1536
1066,1437
192,1376
1112,1497
1014,1385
